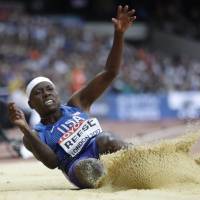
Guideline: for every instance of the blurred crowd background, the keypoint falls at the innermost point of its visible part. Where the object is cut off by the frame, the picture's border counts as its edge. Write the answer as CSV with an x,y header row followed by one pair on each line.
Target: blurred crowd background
x,y
49,38
63,50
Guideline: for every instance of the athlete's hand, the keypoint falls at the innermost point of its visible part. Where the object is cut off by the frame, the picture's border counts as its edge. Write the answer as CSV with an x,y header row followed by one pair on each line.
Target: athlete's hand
x,y
124,19
16,116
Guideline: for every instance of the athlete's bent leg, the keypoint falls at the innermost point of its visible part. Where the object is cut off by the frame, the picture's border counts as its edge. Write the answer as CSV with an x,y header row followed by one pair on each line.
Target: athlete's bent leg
x,y
87,172
109,143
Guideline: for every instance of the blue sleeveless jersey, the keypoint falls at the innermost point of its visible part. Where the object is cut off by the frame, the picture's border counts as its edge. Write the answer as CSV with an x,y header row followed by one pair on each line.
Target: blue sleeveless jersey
x,y
50,134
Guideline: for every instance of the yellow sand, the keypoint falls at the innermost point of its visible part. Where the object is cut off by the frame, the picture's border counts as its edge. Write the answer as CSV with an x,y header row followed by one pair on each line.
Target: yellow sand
x,y
161,171
163,165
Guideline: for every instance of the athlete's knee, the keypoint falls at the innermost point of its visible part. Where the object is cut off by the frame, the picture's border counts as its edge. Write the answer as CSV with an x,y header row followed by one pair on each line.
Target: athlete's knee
x,y
109,143
88,171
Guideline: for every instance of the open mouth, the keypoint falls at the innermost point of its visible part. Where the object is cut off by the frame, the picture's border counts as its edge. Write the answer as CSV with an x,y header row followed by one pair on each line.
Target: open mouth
x,y
49,102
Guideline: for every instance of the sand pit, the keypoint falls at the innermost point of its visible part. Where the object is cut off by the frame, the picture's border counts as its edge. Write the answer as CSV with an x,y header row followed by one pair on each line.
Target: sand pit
x,y
166,171
162,165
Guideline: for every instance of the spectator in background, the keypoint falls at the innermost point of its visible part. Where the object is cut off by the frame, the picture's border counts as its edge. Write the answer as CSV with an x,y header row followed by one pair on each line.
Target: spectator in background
x,y
34,45
77,77
17,94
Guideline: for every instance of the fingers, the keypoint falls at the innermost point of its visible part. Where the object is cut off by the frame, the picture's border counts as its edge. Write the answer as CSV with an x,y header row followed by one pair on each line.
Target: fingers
x,y
131,13
14,112
125,18
132,19
125,10
119,10
114,20
12,107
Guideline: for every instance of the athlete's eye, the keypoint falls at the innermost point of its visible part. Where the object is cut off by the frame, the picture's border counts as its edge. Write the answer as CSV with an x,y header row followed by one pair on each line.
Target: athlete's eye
x,y
49,88
36,92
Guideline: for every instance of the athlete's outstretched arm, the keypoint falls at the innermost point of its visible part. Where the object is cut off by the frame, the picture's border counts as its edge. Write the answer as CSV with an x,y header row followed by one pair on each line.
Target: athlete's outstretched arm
x,y
31,141
87,95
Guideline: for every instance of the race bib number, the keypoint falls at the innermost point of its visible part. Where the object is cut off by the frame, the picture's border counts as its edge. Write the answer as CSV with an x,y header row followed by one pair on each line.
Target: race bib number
x,y
75,139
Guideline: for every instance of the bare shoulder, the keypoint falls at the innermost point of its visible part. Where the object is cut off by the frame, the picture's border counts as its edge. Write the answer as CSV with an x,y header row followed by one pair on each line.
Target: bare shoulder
x,y
76,101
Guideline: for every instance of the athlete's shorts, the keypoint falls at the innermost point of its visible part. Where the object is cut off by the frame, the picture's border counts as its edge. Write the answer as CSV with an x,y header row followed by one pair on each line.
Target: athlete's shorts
x,y
91,151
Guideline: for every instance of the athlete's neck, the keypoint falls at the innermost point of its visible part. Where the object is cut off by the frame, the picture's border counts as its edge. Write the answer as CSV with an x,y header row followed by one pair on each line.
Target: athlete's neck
x,y
52,117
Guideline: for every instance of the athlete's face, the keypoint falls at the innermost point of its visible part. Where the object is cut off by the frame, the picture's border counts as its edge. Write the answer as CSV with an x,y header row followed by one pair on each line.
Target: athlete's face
x,y
44,99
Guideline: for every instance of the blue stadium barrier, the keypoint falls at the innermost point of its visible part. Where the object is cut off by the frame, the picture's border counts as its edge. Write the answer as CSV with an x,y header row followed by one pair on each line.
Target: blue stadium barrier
x,y
173,105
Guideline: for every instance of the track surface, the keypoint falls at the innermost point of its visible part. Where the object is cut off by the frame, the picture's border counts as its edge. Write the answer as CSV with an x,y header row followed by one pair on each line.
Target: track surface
x,y
31,180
